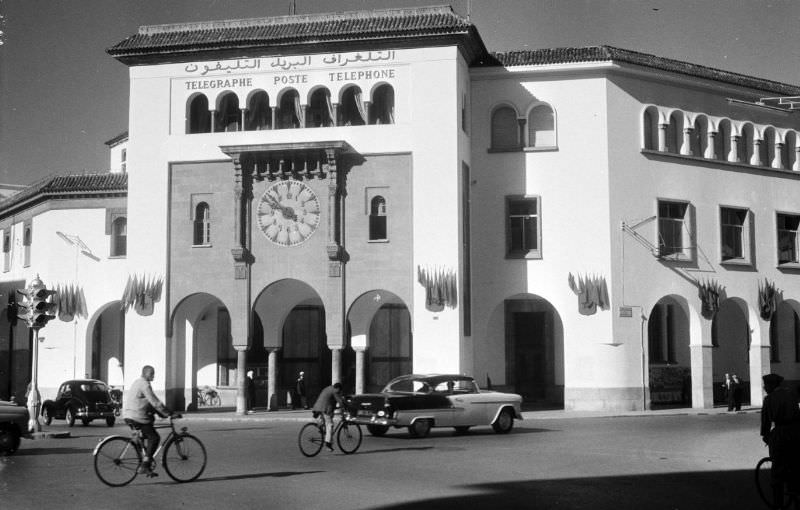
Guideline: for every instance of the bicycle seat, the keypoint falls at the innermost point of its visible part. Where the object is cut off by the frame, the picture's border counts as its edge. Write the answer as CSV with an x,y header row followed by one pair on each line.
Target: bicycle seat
x,y
133,424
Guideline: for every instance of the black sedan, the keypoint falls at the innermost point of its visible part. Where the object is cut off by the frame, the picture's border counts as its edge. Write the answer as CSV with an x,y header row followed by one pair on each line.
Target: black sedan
x,y
82,399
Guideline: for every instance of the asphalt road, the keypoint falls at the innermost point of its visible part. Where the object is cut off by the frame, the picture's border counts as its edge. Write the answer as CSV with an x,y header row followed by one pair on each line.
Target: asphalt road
x,y
650,462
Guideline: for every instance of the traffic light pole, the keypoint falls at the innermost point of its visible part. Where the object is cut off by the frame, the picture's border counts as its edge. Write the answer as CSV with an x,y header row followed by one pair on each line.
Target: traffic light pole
x,y
34,399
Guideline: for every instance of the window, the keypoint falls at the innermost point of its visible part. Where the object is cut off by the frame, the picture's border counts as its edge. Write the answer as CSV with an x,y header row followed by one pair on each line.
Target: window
x,y
229,115
290,111
124,160
259,113
352,110
26,243
199,118
377,219
787,238
202,225
7,251
523,229
734,235
320,109
464,113
119,237
673,239
382,109
505,130
541,127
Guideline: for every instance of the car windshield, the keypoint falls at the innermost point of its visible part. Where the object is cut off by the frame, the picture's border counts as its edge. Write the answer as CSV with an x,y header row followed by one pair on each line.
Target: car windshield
x,y
458,386
436,384
93,386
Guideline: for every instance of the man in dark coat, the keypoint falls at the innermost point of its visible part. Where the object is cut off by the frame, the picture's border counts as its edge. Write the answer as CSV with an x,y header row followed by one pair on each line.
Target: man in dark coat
x,y
300,391
780,430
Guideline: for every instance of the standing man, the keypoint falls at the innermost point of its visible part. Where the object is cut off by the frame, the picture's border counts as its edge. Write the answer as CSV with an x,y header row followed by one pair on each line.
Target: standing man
x,y
250,392
325,405
300,390
780,430
737,390
140,406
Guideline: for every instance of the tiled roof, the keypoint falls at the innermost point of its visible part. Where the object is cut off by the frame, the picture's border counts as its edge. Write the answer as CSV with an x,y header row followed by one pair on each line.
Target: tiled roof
x,y
612,54
65,186
367,26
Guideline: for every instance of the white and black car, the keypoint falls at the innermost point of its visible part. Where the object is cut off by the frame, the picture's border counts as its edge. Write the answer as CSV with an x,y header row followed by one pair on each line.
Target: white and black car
x,y
421,402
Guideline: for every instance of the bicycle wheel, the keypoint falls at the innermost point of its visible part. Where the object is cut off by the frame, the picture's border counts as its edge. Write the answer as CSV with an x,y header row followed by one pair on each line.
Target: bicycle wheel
x,y
349,437
763,474
184,458
116,460
310,439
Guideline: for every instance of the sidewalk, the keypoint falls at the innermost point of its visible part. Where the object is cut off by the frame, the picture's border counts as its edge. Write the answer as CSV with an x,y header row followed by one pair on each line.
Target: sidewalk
x,y
300,415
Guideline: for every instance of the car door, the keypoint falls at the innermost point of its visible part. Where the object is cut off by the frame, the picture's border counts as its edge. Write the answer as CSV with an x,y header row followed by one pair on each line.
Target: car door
x,y
60,403
469,409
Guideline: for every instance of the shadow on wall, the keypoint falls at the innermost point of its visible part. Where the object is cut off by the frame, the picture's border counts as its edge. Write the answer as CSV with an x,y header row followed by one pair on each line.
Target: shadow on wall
x,y
707,490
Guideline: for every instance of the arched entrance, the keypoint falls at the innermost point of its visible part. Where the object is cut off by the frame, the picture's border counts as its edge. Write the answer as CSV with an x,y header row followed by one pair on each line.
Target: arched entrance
x,y
381,338
200,352
784,338
669,356
534,345
105,344
730,338
288,337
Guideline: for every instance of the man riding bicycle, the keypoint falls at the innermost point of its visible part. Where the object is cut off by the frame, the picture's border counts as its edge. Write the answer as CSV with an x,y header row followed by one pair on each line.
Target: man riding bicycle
x,y
140,406
325,405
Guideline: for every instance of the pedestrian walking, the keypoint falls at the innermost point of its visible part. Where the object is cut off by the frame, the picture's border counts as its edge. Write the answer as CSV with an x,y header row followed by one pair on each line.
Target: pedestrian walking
x,y
300,390
780,430
250,392
737,389
728,390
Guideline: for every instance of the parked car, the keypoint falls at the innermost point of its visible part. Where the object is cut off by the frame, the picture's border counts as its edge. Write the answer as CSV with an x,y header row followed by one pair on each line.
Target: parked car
x,y
420,402
83,399
13,425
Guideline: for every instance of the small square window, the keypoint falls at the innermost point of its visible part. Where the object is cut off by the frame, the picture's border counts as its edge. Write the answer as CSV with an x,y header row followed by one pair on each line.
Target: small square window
x,y
523,227
735,235
674,237
787,238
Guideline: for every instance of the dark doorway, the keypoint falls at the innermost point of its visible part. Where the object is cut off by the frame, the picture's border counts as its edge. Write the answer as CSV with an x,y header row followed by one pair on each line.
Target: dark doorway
x,y
305,348
530,352
389,346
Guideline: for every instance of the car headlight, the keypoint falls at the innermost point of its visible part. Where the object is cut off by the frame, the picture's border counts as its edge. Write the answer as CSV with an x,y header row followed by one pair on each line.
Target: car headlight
x,y
381,414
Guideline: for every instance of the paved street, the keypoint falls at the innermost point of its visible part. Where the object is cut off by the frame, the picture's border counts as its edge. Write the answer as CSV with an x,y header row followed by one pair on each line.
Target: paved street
x,y
555,461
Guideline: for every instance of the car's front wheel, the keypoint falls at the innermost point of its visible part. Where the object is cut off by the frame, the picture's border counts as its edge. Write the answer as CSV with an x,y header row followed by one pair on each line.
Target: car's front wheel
x,y
9,439
420,428
70,417
377,430
504,422
47,418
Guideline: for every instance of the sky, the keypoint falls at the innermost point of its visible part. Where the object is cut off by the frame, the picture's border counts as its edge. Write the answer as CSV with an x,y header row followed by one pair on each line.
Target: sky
x,y
62,96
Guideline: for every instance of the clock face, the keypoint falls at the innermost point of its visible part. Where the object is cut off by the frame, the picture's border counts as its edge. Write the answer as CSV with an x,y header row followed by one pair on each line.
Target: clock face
x,y
288,213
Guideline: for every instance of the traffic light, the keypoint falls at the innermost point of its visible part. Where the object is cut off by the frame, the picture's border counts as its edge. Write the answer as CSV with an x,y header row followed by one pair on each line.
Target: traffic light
x,y
36,308
12,309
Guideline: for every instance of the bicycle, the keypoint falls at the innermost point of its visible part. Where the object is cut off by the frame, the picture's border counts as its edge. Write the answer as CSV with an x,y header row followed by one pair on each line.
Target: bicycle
x,y
763,474
118,459
312,436
208,396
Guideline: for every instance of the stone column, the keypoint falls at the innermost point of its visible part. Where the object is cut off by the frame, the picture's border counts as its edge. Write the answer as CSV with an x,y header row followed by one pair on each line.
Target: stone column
x,y
336,364
686,146
702,373
711,145
662,137
759,363
335,119
244,117
756,158
213,120
274,117
521,139
733,154
272,380
796,165
777,160
241,380
360,369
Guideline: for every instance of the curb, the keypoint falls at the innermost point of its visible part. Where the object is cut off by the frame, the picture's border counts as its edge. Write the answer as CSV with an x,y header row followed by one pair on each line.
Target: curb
x,y
46,435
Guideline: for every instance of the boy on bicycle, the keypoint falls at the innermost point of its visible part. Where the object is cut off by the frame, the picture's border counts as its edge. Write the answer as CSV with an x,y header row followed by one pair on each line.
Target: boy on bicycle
x,y
140,405
325,405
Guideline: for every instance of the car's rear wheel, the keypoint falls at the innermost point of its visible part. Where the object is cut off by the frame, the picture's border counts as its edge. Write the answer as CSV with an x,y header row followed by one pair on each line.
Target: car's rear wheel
x,y
47,418
9,439
70,417
504,422
110,421
377,430
420,428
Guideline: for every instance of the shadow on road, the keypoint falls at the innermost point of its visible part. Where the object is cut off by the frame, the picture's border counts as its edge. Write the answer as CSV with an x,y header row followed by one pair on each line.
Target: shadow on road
x,y
389,450
248,476
51,451
704,490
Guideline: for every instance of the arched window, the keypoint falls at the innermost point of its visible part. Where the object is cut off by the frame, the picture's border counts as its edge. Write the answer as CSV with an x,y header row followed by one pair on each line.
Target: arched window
x,y
382,109
229,115
377,219
352,110
650,129
722,142
119,237
26,243
505,130
259,114
199,117
202,225
541,127
290,111
320,109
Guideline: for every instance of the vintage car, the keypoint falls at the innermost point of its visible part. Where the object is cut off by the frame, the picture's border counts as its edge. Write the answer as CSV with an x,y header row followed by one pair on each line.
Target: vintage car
x,y
420,402
13,425
83,399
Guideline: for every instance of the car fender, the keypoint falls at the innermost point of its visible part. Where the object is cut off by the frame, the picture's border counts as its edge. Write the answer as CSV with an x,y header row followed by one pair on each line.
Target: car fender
x,y
514,411
417,418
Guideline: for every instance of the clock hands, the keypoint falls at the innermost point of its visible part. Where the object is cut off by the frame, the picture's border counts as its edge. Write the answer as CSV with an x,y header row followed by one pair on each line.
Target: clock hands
x,y
286,211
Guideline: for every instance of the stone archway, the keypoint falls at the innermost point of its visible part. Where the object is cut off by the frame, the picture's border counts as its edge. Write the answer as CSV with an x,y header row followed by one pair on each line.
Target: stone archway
x,y
669,353
731,337
105,344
